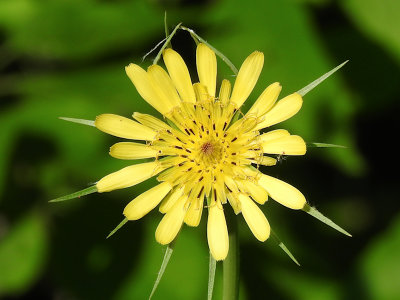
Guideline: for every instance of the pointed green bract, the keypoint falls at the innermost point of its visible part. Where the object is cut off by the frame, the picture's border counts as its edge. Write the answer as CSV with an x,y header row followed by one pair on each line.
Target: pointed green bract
x,y
166,25
87,191
235,117
79,121
218,53
167,256
167,41
316,82
211,276
284,248
172,124
117,228
316,214
323,145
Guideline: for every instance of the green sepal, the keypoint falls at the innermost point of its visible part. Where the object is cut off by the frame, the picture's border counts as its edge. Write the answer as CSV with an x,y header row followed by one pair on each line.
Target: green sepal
x,y
173,125
166,43
316,214
284,248
235,118
79,121
211,276
124,221
323,145
87,191
167,256
316,82
166,25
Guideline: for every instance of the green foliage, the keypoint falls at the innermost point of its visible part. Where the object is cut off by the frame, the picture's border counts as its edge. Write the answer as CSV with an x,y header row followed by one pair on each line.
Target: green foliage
x,y
23,254
379,20
380,264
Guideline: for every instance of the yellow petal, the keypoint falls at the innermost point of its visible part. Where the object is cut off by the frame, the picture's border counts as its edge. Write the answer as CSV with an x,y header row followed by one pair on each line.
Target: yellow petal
x,y
282,110
288,145
146,201
257,192
127,150
282,192
206,67
267,161
144,86
224,91
266,100
255,218
247,77
123,127
170,200
179,73
150,121
193,215
217,232
163,86
201,92
171,223
273,135
128,176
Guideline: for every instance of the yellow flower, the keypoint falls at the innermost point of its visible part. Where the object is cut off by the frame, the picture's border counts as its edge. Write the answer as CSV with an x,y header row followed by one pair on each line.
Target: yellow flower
x,y
205,156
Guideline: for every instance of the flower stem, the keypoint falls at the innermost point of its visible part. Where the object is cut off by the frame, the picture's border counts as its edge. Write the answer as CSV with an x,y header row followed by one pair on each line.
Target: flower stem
x,y
231,263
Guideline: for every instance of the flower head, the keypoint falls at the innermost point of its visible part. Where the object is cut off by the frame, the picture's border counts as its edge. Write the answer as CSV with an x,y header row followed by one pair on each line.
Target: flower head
x,y
204,155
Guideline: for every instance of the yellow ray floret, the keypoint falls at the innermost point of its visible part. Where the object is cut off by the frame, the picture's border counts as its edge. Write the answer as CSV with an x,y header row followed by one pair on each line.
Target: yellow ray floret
x,y
124,127
145,202
217,232
128,176
247,78
206,62
179,74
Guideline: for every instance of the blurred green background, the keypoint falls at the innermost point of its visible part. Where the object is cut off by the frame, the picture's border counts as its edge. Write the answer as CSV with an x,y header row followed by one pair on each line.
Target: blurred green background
x,y
67,58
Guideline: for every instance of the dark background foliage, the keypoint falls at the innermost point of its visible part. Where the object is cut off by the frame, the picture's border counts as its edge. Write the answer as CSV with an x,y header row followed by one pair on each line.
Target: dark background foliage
x,y
66,58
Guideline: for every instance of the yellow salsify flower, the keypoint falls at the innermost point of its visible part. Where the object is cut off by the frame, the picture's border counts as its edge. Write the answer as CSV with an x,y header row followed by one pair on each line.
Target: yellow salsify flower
x,y
205,157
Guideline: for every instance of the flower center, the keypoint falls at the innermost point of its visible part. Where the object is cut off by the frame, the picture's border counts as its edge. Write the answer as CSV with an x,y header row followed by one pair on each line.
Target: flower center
x,y
207,148
210,152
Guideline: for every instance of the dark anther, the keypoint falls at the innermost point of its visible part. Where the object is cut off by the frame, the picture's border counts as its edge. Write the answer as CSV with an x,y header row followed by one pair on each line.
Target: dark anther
x,y
202,188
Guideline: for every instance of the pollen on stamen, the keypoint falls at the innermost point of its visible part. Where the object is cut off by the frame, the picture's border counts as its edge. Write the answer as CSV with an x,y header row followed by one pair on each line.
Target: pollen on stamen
x,y
207,148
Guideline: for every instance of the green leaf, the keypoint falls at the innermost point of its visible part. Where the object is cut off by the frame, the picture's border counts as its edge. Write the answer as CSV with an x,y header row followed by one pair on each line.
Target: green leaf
x,y
191,265
316,82
323,145
79,121
87,191
304,285
379,20
379,266
284,248
167,256
211,276
316,214
124,221
23,254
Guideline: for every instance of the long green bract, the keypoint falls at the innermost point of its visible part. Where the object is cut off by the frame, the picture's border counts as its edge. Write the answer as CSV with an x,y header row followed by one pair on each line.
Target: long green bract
x,y
316,82
316,214
211,276
167,256
87,191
